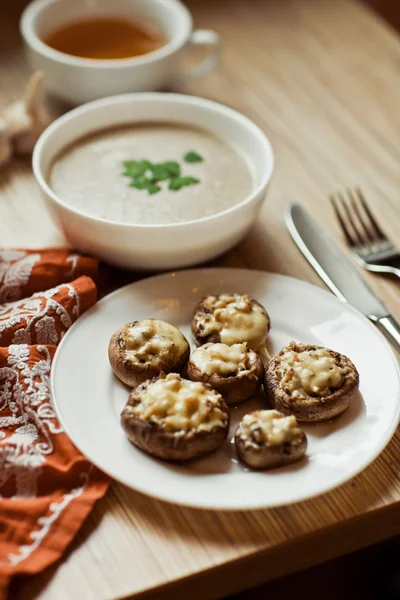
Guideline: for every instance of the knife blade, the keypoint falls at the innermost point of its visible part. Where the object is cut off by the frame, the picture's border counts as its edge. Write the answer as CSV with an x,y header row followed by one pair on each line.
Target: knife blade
x,y
338,273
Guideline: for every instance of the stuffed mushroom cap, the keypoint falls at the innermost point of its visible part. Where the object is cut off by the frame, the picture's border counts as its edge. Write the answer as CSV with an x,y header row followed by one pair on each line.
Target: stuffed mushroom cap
x,y
143,349
230,319
311,382
236,372
267,438
175,419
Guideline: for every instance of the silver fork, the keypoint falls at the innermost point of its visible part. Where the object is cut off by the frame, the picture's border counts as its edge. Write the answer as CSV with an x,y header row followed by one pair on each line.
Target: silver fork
x,y
369,245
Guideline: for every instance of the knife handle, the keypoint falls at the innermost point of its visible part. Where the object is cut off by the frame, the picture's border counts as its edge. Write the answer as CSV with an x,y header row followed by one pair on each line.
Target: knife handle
x,y
390,329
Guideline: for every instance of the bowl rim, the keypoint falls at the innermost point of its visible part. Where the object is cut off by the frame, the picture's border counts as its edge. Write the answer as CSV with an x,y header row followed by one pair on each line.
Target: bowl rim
x,y
35,8
111,101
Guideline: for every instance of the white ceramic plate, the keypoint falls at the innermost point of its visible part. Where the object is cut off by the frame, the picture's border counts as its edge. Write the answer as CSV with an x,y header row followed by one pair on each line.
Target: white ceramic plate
x,y
89,398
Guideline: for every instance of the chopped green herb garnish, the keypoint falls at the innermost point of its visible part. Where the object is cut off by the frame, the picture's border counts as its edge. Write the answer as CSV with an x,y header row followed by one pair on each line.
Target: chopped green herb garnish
x,y
179,182
142,183
153,188
192,157
133,168
173,168
163,171
146,175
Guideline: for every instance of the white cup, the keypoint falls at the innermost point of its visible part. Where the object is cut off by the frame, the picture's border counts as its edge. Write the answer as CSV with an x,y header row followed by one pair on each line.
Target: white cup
x,y
78,80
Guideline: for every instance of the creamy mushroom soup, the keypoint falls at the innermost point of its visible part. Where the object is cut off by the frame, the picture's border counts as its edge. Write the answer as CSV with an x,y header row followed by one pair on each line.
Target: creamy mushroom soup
x,y
151,174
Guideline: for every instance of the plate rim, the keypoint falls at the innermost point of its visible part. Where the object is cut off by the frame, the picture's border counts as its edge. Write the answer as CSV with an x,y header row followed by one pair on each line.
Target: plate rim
x,y
202,271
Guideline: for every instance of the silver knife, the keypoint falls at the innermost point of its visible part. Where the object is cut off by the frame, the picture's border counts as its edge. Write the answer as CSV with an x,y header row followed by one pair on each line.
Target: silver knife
x,y
335,269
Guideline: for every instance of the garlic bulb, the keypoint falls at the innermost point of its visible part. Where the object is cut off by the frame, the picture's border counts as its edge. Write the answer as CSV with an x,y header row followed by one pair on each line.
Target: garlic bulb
x,y
27,118
5,143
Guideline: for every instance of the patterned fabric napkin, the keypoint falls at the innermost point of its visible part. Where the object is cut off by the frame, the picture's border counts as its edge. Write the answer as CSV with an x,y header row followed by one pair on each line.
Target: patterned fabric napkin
x,y
47,487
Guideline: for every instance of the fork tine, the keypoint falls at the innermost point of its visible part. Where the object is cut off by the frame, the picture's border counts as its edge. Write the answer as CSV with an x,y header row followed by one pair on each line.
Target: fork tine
x,y
353,195
342,222
360,240
378,231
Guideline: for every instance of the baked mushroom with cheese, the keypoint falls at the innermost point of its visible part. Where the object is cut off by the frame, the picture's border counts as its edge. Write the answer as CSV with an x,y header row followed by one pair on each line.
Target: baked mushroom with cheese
x,y
175,419
311,382
236,372
231,319
143,349
267,438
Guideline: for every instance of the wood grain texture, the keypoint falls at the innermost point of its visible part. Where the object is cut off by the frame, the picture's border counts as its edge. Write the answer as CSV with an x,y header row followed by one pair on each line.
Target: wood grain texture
x,y
322,79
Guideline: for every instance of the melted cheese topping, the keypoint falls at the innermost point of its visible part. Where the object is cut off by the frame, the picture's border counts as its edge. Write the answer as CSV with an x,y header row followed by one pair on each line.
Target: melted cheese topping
x,y
269,427
179,405
312,372
153,342
236,318
221,359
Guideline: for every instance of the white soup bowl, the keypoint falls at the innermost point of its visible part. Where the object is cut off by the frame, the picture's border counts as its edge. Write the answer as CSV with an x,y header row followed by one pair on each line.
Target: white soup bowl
x,y
156,247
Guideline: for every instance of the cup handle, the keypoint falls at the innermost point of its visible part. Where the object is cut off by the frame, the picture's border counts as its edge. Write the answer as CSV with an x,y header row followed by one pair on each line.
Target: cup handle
x,y
206,38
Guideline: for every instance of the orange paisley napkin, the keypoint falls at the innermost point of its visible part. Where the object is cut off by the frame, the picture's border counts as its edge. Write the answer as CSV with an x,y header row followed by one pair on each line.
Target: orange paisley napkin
x,y
47,487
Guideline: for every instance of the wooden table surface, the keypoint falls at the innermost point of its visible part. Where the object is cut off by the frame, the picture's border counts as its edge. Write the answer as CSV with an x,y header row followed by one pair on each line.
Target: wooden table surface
x,y
322,79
